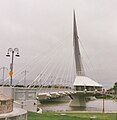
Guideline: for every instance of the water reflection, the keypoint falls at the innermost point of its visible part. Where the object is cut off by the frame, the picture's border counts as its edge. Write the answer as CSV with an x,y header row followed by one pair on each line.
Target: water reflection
x,y
110,105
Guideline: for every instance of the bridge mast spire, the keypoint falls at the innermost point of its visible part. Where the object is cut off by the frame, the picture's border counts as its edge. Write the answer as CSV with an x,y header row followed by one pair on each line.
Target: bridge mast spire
x,y
78,62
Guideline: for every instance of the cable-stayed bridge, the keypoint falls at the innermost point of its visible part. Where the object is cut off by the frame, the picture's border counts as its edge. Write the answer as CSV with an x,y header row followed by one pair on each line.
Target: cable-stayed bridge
x,y
60,73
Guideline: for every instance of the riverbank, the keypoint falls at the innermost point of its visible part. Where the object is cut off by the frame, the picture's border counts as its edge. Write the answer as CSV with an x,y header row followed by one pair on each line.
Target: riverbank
x,y
71,116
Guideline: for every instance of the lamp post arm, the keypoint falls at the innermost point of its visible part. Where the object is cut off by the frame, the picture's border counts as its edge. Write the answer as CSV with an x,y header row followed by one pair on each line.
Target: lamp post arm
x,y
16,50
10,50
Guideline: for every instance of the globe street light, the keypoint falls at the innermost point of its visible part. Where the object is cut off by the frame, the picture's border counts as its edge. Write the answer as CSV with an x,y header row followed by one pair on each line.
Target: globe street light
x,y
12,51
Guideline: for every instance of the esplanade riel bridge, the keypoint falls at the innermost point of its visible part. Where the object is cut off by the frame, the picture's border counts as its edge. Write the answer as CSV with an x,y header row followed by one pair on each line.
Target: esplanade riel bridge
x,y
57,76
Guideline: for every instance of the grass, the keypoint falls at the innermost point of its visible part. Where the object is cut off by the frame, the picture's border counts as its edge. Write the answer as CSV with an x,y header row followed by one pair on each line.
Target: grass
x,y
71,116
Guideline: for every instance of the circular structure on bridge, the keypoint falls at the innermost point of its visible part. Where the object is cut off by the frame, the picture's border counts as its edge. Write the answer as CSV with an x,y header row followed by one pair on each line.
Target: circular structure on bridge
x,y
84,83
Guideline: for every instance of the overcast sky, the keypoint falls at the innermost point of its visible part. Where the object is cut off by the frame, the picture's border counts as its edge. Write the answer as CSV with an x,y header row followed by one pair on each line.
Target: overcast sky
x,y
34,26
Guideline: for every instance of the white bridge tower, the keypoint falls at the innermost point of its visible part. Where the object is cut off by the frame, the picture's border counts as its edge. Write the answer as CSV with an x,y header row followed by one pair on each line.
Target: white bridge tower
x,y
84,86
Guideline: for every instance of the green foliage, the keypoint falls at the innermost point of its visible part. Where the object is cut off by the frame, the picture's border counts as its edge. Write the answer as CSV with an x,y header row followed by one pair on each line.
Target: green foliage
x,y
71,116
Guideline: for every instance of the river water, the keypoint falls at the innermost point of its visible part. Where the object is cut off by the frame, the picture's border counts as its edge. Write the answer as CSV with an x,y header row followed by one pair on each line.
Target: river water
x,y
96,105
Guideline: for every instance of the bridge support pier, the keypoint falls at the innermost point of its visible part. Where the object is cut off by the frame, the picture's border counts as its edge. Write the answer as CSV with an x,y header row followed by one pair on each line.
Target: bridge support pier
x,y
77,100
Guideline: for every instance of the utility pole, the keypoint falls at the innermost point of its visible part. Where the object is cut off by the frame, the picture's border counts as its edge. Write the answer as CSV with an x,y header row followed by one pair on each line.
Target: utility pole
x,y
103,110
25,75
3,68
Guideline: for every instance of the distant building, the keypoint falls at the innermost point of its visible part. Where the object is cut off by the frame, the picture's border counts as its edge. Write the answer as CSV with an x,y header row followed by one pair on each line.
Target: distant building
x,y
110,91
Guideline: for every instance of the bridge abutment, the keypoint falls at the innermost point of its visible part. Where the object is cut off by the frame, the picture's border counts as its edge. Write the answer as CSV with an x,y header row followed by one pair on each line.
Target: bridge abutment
x,y
77,100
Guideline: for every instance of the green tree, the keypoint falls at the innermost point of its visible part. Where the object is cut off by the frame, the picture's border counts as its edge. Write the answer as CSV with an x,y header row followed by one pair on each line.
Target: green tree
x,y
115,88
